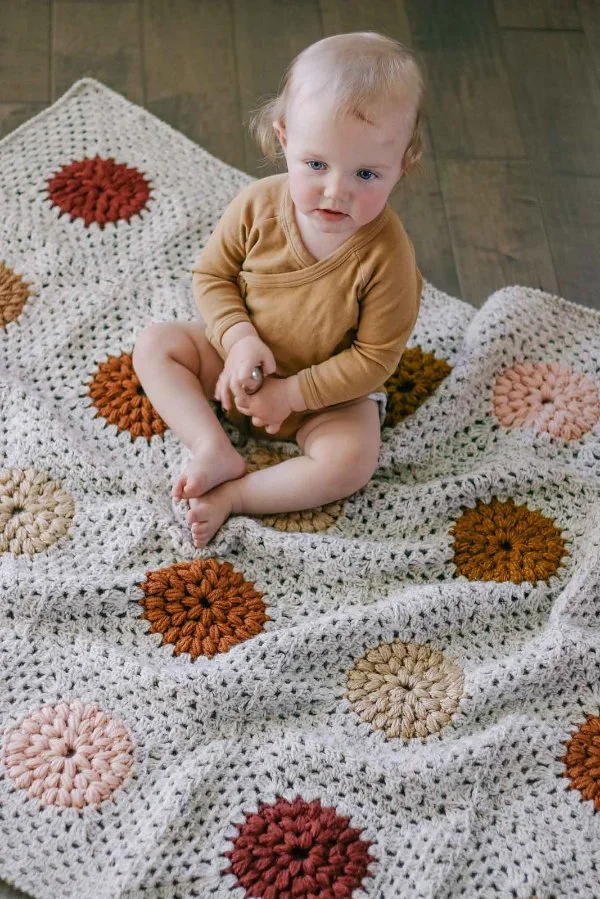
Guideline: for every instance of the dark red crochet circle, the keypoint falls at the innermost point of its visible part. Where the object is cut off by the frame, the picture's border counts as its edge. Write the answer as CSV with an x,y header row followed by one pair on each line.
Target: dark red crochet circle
x,y
99,190
298,849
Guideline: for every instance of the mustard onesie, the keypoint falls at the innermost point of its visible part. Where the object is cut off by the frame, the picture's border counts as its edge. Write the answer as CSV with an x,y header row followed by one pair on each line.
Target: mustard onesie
x,y
341,323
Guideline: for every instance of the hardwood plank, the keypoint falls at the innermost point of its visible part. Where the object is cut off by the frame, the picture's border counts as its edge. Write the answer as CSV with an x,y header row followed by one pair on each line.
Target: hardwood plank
x,y
471,109
590,18
571,207
14,114
389,19
496,226
558,99
98,40
8,892
551,14
25,51
263,54
420,204
190,73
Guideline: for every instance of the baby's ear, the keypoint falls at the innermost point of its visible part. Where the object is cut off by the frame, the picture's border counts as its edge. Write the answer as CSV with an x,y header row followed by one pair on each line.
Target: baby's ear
x,y
279,127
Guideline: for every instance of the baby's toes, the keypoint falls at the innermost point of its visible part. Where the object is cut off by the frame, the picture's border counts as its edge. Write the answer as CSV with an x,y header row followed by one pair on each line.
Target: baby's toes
x,y
197,512
179,488
199,535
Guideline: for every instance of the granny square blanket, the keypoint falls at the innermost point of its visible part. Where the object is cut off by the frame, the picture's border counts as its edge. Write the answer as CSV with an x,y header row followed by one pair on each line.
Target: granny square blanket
x,y
394,695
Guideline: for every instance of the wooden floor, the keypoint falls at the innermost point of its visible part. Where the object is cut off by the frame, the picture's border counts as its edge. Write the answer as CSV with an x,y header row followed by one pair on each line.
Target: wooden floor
x,y
510,192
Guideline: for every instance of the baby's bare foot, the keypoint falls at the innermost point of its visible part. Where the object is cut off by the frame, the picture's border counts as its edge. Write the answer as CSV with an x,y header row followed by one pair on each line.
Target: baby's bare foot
x,y
211,465
207,513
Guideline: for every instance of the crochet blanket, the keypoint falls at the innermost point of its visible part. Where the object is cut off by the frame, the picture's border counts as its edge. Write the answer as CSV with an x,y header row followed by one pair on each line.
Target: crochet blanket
x,y
395,695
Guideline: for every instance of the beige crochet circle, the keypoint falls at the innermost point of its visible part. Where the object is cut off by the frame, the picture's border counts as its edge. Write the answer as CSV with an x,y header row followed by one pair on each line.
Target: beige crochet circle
x,y
35,512
14,293
405,689
307,520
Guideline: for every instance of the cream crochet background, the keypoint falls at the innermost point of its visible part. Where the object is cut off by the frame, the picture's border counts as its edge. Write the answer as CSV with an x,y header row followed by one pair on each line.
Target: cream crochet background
x,y
421,713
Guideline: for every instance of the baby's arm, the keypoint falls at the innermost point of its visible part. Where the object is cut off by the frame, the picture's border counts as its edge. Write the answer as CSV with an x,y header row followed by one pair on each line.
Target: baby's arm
x,y
215,275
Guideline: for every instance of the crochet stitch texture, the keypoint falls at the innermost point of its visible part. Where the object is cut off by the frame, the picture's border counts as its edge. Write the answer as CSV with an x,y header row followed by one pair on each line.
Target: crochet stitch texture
x,y
395,695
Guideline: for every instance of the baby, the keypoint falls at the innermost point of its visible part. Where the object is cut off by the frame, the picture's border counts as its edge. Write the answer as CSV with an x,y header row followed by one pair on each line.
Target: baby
x,y
310,275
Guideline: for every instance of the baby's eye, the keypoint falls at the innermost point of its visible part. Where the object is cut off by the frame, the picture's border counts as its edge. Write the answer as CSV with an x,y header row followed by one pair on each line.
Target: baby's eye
x,y
362,172
314,162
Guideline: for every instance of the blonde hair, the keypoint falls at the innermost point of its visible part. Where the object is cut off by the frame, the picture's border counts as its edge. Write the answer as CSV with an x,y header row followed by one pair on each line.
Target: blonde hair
x,y
358,71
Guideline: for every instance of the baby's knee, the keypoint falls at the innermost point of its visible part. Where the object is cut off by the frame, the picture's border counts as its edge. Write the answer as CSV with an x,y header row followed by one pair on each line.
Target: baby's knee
x,y
354,466
150,341
157,341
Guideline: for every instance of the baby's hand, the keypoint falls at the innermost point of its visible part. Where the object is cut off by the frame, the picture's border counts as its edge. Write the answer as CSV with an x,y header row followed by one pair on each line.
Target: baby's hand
x,y
269,407
243,357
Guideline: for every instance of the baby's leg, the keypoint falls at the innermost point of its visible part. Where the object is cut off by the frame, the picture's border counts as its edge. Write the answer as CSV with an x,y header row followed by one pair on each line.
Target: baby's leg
x,y
341,450
179,369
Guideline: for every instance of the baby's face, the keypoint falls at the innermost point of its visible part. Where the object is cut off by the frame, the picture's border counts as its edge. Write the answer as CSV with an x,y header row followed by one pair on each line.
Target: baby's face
x,y
349,166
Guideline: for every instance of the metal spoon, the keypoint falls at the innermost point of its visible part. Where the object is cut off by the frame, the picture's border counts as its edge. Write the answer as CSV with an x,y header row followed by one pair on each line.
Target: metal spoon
x,y
258,378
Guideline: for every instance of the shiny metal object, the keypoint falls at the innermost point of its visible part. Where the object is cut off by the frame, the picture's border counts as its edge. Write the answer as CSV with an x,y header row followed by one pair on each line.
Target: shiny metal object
x,y
258,377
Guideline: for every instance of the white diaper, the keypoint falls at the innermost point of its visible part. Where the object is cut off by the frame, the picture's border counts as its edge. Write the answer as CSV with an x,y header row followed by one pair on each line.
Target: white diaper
x,y
381,399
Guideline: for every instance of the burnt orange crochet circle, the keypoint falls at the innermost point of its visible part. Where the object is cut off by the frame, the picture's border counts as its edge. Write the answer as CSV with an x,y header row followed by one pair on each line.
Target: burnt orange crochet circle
x,y
117,394
98,190
501,541
582,760
307,521
417,378
14,293
202,607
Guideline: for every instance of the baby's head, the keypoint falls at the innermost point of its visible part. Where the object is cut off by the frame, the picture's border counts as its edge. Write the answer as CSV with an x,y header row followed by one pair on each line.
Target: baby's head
x,y
348,121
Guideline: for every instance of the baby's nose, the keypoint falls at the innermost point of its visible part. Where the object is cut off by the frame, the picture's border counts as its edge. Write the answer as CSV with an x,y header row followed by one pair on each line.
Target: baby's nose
x,y
336,188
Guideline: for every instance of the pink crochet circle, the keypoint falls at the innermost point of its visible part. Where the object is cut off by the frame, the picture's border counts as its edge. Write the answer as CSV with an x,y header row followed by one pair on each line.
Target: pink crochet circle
x,y
547,397
70,754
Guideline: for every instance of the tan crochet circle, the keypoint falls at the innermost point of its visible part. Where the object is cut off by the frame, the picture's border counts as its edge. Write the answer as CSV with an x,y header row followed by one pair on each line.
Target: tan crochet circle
x,y
119,397
307,521
501,541
405,689
35,512
69,754
14,294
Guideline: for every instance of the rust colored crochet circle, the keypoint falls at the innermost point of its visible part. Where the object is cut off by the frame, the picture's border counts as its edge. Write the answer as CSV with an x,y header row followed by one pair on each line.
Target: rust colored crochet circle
x,y
308,521
35,512
202,607
405,689
119,397
501,541
14,294
546,397
99,190
582,760
417,378
69,754
298,849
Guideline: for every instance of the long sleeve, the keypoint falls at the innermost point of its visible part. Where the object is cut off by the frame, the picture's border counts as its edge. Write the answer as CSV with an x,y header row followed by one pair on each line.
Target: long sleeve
x,y
388,312
215,273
